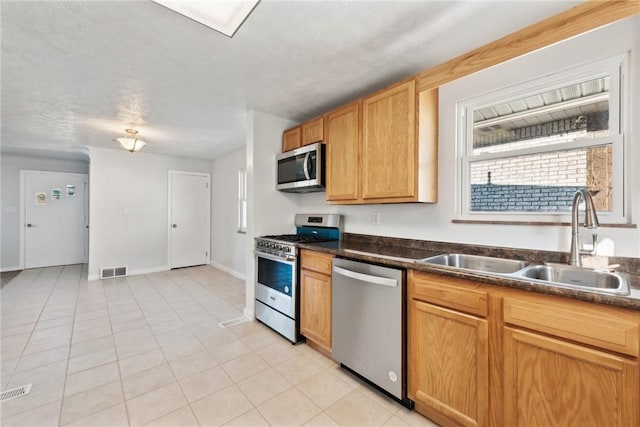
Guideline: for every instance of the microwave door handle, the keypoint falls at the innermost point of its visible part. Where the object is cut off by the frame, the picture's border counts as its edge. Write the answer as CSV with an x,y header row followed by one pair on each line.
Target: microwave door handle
x,y
306,166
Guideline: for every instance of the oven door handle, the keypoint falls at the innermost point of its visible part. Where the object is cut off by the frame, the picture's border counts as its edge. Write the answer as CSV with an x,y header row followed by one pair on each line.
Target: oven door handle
x,y
289,259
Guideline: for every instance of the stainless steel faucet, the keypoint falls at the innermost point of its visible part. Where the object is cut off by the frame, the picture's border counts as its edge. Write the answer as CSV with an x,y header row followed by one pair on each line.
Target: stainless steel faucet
x,y
590,221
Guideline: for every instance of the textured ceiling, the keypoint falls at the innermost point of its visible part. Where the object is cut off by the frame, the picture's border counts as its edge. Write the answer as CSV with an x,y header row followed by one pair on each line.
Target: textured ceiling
x,y
77,73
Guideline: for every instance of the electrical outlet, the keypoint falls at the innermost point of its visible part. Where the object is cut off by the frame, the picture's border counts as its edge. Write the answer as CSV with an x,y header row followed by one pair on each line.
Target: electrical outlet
x,y
375,218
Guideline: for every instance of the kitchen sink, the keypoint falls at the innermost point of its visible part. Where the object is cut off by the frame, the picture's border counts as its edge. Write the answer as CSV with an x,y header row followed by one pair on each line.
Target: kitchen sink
x,y
477,263
578,278
558,275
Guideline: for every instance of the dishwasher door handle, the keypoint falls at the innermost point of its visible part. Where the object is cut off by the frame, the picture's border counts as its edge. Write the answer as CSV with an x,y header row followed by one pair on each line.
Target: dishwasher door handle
x,y
383,281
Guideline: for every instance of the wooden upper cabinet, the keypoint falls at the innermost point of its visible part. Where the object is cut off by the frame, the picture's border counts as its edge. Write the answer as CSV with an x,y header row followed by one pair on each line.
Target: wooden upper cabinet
x,y
291,138
389,149
304,134
381,149
343,146
313,131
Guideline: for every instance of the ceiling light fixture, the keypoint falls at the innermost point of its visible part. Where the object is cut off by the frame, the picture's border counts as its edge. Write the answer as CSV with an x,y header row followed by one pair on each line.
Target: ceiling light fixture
x,y
223,16
130,142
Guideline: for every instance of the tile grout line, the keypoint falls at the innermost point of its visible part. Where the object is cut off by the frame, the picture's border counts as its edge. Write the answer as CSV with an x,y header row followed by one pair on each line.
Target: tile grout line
x,y
35,323
124,396
165,358
92,388
171,279
73,325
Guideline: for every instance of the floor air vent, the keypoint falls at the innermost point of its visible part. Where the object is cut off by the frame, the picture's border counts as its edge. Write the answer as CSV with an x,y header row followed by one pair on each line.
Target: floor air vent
x,y
233,322
111,272
15,392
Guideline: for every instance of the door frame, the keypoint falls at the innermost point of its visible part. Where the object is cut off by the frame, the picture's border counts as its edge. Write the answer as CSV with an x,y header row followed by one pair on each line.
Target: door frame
x,y
170,176
23,211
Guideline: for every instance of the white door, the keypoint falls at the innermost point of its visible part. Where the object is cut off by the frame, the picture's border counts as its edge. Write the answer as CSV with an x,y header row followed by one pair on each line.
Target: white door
x,y
189,218
55,218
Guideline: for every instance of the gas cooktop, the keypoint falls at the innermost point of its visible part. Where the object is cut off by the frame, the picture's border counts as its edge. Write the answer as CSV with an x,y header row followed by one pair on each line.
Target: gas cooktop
x,y
298,238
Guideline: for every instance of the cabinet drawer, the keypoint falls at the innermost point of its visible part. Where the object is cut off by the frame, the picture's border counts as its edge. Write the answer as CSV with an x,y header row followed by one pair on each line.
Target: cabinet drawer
x,y
602,327
458,294
313,131
316,261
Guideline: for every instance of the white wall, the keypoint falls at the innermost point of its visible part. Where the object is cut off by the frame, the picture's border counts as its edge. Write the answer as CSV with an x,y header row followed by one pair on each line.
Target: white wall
x,y
228,247
128,210
10,165
269,211
433,222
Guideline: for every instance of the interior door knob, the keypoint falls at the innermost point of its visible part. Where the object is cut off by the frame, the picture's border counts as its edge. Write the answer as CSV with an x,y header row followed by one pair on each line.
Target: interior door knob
x,y
174,225
30,225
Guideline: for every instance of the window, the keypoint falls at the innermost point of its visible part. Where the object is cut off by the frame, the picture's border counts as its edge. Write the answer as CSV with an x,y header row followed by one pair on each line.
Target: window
x,y
526,150
242,201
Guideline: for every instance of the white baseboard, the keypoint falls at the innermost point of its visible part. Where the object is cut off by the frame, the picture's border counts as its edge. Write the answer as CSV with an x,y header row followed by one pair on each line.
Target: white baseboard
x,y
135,272
228,270
249,314
149,270
5,269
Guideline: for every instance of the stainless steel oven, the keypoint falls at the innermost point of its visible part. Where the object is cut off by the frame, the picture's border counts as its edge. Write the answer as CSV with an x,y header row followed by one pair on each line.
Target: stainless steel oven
x,y
277,279
277,271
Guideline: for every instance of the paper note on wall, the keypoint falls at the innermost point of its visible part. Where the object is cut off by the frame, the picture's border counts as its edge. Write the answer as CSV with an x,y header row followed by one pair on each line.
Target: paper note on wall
x,y
41,199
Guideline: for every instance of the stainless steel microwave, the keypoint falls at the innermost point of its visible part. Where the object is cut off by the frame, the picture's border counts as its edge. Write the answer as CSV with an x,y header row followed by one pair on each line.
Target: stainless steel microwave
x,y
301,170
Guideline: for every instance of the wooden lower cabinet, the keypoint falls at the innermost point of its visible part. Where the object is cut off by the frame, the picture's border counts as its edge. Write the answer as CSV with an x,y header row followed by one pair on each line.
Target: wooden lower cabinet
x,y
449,364
548,382
486,355
315,299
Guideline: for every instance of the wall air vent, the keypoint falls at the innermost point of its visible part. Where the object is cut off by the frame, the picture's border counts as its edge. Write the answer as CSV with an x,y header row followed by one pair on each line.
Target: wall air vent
x,y
112,272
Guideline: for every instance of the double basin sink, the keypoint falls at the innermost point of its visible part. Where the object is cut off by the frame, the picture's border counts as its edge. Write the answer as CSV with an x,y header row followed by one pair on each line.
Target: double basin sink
x,y
563,276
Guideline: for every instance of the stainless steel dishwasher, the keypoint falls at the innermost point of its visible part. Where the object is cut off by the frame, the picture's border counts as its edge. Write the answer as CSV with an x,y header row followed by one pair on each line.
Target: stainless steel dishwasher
x,y
368,325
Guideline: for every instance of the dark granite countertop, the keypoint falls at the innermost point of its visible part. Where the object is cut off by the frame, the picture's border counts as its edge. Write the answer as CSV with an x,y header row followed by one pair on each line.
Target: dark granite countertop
x,y
403,253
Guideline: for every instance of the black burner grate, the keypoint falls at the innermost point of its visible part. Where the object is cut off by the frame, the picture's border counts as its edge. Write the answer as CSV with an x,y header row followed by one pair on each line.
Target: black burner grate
x,y
298,238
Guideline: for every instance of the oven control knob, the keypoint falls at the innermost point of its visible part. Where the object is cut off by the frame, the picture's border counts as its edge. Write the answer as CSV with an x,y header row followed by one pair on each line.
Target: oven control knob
x,y
286,248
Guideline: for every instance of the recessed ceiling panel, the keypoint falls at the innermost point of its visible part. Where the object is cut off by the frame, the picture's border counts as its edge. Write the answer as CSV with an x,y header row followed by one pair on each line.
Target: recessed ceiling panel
x,y
220,15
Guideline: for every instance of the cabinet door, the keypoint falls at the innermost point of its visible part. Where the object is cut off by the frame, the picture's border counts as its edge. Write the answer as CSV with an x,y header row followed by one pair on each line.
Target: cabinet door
x,y
448,364
313,131
291,139
548,382
389,149
315,308
343,144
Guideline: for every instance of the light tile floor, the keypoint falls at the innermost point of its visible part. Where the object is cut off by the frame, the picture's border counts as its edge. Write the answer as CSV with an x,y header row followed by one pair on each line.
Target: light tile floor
x,y
149,350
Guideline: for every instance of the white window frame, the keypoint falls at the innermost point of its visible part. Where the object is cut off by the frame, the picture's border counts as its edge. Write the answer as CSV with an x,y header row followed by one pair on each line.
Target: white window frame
x,y
614,67
242,201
